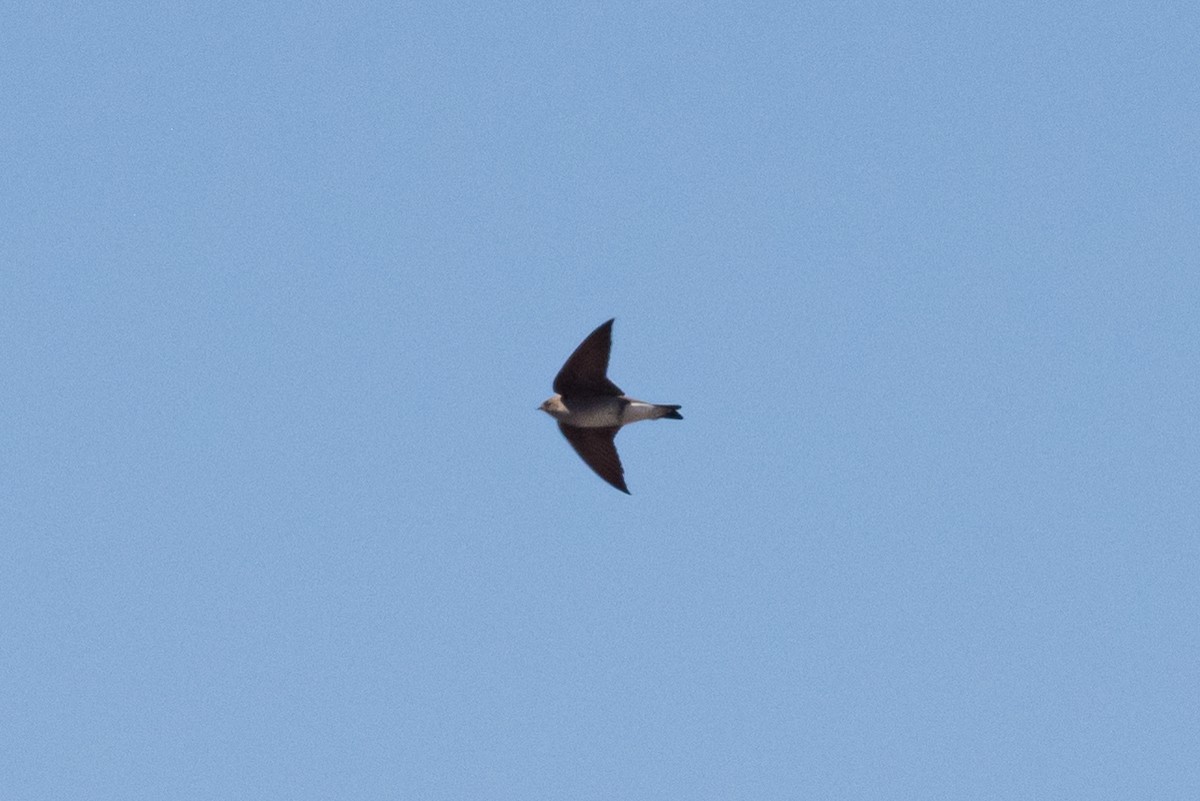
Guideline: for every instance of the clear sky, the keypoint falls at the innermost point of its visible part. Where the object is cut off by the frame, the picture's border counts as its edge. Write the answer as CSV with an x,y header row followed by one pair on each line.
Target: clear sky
x,y
283,285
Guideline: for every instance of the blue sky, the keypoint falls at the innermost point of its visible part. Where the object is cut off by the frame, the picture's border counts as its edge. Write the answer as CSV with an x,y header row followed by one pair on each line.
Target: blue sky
x,y
282,288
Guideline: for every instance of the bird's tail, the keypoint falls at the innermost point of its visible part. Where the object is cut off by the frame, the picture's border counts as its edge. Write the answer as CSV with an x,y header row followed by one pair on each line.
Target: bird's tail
x,y
670,411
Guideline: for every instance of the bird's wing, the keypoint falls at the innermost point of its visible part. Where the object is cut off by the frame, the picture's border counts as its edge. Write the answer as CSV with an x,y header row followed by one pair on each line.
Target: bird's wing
x,y
585,371
596,446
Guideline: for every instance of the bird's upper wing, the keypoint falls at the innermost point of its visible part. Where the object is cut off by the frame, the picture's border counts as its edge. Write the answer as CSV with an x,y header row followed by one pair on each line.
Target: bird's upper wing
x,y
585,371
596,446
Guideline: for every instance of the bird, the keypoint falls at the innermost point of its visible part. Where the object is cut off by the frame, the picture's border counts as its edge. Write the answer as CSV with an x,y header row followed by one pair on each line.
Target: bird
x,y
591,409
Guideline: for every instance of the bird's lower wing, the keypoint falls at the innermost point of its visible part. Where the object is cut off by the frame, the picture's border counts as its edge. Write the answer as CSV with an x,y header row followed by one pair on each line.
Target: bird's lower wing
x,y
597,448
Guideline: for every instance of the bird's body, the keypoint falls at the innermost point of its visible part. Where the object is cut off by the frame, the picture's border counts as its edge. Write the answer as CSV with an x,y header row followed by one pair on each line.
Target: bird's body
x,y
605,411
590,409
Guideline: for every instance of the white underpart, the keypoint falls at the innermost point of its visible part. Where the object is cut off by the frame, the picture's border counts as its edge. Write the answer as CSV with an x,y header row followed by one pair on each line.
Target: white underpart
x,y
639,410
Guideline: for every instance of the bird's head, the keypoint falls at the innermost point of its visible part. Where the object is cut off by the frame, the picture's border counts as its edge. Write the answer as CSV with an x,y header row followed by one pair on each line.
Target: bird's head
x,y
554,406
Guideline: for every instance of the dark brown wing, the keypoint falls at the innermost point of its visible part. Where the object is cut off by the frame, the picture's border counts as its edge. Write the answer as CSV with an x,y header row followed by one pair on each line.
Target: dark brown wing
x,y
585,372
597,448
